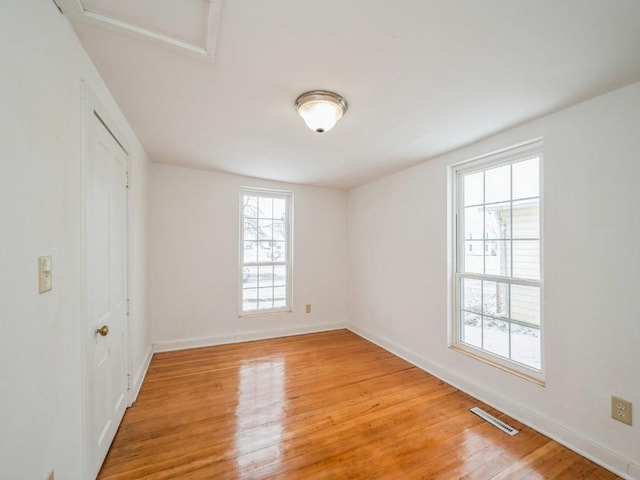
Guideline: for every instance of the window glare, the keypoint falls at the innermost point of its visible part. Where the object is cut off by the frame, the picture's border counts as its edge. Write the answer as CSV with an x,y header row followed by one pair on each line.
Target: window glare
x,y
497,184
473,189
526,178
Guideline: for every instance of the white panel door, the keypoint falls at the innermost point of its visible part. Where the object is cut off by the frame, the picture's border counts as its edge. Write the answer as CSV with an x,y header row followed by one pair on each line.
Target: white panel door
x,y
105,290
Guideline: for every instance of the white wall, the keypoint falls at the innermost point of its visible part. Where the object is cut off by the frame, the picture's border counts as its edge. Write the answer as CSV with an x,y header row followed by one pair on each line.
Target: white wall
x,y
398,275
194,263
40,214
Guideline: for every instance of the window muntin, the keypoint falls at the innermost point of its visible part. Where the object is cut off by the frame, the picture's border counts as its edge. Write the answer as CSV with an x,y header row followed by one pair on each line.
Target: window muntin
x,y
265,251
497,260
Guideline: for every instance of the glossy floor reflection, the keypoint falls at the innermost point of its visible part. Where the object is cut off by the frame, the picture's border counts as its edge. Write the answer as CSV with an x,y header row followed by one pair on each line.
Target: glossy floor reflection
x,y
259,416
321,406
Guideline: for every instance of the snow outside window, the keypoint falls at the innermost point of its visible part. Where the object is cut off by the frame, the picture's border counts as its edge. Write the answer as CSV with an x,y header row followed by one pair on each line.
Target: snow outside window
x,y
265,251
497,279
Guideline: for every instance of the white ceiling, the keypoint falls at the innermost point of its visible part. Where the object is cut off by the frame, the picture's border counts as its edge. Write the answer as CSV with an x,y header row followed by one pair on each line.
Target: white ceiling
x,y
422,77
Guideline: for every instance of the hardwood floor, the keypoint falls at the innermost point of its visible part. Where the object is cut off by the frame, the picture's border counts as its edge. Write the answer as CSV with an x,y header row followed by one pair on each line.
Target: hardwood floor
x,y
320,406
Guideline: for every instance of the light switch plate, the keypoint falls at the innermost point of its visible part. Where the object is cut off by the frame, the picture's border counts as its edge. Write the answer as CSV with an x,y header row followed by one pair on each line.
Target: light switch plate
x,y
44,274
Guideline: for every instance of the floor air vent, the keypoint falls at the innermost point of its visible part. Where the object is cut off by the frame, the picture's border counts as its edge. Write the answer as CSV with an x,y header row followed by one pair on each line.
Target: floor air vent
x,y
494,421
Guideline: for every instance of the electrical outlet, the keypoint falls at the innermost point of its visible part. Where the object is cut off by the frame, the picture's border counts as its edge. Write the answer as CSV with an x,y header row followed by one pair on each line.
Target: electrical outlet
x,y
44,274
621,410
308,309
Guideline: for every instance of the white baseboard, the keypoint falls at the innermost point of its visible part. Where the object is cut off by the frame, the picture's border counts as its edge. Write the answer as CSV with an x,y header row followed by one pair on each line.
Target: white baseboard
x,y
139,378
243,337
585,447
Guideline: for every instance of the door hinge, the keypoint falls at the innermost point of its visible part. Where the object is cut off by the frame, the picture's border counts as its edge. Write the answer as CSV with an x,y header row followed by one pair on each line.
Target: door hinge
x,y
127,180
128,306
128,381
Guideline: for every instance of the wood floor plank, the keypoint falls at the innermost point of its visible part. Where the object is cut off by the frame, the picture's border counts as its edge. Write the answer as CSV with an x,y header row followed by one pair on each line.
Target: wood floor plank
x,y
326,405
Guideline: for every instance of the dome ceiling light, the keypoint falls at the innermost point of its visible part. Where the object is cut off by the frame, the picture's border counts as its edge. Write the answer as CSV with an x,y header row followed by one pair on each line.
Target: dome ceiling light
x,y
321,109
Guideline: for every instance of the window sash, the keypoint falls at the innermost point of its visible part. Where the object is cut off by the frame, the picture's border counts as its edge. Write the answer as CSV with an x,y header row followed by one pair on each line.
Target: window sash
x,y
257,261
483,164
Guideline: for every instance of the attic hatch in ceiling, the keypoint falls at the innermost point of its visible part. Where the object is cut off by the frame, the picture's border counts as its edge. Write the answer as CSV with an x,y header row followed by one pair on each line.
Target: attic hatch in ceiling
x,y
188,26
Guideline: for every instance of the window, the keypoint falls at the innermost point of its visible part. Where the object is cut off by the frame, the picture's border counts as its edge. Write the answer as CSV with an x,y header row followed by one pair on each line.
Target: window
x,y
497,260
265,251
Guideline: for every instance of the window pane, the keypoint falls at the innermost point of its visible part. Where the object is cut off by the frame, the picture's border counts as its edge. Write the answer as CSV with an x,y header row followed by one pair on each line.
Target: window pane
x,y
495,334
249,299
526,178
265,207
279,230
264,251
472,295
249,277
280,275
279,251
497,184
279,297
250,206
279,208
265,297
525,304
265,229
473,226
526,219
525,345
265,276
497,260
472,329
473,256
250,253
250,229
497,220
473,193
526,259
495,299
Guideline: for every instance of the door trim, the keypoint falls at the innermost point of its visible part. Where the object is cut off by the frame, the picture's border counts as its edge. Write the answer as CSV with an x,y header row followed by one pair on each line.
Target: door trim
x,y
91,106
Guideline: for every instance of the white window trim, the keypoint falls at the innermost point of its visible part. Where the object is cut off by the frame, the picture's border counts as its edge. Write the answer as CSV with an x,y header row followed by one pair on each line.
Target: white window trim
x,y
289,260
483,162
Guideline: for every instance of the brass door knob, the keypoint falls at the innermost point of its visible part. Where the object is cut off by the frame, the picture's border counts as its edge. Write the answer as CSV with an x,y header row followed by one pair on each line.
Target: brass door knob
x,y
104,331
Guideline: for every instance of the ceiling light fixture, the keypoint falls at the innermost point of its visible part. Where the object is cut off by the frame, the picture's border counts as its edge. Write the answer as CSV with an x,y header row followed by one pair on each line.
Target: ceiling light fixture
x,y
321,109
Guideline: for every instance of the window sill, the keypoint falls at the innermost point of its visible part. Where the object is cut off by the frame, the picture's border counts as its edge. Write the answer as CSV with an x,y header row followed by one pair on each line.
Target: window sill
x,y
262,313
504,365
